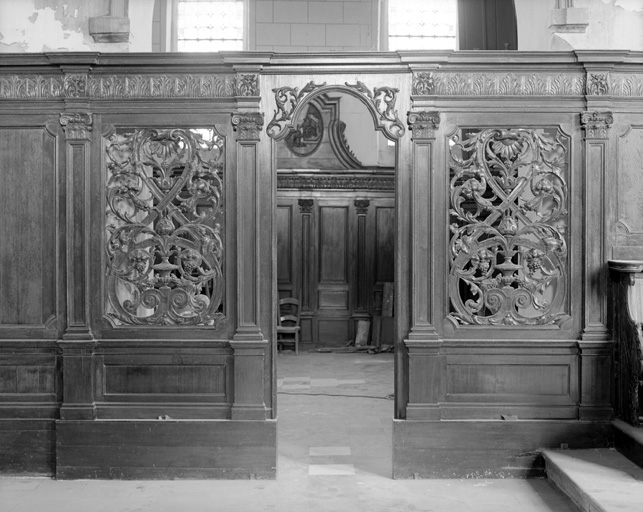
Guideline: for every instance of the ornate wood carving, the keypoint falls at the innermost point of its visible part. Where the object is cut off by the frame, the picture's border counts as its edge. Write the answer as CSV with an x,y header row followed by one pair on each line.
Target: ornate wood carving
x,y
596,124
247,85
362,206
166,86
383,100
287,99
339,182
164,214
508,246
75,85
498,84
247,124
30,87
423,124
77,126
306,205
598,84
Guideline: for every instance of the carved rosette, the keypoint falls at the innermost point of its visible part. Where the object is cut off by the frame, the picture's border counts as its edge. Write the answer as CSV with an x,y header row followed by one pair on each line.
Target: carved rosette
x,y
596,124
508,249
248,125
287,99
423,124
361,205
75,85
247,85
598,84
306,205
423,84
77,125
163,221
383,100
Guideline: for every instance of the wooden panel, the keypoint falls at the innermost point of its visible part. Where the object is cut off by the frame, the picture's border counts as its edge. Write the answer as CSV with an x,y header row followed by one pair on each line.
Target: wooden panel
x,y
509,380
486,449
165,379
28,227
27,379
284,246
166,449
28,447
384,244
333,244
333,332
329,299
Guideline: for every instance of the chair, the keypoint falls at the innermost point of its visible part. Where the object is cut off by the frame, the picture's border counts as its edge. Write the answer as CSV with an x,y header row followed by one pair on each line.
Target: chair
x,y
288,323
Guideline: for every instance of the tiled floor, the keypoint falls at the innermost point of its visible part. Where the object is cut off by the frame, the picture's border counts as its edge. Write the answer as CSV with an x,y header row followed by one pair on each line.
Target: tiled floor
x,y
334,455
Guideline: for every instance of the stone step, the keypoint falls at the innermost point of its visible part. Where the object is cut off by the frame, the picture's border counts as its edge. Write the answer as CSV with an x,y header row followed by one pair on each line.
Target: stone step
x,y
597,480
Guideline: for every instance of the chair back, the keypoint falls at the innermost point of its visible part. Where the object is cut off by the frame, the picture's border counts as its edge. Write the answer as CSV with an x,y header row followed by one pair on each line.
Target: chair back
x,y
289,312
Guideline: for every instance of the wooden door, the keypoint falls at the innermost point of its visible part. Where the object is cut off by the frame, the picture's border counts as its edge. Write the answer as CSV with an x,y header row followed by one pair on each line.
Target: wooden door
x,y
334,253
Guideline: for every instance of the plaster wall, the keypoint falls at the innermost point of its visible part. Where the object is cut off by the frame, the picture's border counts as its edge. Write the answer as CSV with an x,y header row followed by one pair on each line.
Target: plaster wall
x,y
302,26
62,25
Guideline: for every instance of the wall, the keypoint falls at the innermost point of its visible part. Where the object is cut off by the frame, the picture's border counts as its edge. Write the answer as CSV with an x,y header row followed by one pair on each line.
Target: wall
x,y
309,26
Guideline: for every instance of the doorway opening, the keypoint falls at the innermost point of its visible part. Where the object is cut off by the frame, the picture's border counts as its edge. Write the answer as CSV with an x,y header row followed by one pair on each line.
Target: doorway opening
x,y
335,226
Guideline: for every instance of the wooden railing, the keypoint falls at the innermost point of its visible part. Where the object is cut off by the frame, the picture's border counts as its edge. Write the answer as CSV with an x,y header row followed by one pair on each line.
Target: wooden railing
x,y
627,316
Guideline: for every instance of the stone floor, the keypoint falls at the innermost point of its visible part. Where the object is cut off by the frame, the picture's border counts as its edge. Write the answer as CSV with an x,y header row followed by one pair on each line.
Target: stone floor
x,y
334,437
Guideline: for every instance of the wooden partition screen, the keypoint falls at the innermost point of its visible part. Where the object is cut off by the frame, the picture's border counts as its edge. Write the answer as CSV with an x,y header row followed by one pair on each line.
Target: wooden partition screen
x,y
139,230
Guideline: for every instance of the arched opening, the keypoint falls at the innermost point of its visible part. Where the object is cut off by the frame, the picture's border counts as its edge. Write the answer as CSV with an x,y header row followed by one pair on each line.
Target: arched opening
x,y
335,254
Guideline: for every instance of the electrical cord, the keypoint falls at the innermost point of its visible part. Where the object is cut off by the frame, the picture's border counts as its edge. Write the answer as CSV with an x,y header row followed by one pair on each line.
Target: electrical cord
x,y
387,397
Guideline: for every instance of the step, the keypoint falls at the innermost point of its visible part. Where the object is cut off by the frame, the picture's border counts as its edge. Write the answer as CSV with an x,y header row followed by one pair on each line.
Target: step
x,y
597,480
629,441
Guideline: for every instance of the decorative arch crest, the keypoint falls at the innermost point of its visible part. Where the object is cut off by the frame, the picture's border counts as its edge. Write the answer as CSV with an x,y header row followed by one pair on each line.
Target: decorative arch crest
x,y
380,102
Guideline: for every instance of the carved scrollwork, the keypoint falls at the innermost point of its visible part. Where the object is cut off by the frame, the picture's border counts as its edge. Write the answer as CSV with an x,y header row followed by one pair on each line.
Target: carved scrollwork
x,y
248,124
597,84
163,220
596,124
508,249
335,182
423,124
383,100
77,126
287,99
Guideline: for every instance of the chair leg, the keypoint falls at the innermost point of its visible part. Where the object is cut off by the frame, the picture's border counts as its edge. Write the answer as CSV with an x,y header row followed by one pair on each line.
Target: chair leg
x,y
296,343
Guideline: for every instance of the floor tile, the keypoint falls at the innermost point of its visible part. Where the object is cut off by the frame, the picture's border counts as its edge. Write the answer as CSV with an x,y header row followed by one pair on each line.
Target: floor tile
x,y
331,469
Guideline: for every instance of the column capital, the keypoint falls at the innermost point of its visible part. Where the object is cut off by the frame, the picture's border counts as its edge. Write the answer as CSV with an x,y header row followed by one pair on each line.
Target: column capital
x,y
423,124
77,125
596,124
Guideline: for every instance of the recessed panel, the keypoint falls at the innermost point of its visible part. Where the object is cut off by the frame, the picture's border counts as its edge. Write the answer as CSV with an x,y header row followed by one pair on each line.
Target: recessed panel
x,y
333,231
330,299
165,379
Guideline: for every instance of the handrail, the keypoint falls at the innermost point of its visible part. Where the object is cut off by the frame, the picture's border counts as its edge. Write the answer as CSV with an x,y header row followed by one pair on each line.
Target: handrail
x,y
627,318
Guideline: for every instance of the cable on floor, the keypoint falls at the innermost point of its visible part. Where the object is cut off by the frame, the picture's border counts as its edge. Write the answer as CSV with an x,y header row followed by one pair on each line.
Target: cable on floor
x,y
387,397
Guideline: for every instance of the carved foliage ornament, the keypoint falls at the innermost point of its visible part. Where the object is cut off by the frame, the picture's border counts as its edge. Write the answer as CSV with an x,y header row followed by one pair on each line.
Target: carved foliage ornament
x,y
508,248
498,84
597,84
75,85
164,215
596,124
247,85
19,87
166,86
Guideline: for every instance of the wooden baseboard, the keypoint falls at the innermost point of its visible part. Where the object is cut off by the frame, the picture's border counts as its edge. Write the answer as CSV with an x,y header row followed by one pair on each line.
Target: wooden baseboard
x,y
486,449
27,447
166,449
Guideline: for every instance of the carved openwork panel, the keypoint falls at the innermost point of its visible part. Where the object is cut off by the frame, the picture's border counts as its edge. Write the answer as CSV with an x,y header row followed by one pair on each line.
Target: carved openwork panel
x,y
508,208
164,224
